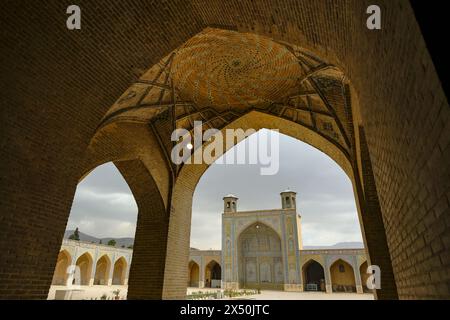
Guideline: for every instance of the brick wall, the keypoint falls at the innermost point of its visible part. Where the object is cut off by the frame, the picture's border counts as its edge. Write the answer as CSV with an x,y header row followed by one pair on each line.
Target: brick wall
x,y
373,226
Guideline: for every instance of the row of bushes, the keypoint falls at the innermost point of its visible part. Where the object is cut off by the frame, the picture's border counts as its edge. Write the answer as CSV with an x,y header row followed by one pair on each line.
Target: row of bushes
x,y
239,293
206,295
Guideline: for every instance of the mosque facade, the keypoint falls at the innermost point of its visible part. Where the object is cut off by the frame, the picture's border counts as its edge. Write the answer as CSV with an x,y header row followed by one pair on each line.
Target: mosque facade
x,y
263,249
260,250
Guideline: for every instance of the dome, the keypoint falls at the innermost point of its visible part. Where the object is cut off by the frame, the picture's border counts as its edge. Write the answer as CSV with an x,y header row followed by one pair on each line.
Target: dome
x,y
224,68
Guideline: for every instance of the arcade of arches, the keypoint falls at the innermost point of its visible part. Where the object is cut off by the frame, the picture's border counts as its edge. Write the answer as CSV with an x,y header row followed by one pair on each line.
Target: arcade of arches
x,y
342,278
98,264
371,100
263,249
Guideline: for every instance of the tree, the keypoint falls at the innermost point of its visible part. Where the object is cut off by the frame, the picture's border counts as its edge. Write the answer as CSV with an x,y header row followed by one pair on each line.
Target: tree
x,y
100,242
75,236
112,243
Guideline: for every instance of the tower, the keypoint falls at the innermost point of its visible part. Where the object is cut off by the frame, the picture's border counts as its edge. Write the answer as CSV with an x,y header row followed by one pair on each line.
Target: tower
x,y
288,198
230,203
288,202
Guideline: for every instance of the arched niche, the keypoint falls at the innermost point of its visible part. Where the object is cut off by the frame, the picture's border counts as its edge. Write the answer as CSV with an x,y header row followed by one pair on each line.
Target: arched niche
x,y
260,258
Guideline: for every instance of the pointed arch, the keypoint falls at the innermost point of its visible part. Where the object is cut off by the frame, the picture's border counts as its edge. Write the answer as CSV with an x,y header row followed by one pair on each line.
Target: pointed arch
x,y
256,241
194,274
342,276
120,271
364,276
213,274
60,276
84,263
313,276
102,270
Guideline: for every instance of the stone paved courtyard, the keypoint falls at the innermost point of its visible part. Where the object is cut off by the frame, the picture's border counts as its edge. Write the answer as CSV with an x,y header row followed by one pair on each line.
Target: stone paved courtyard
x,y
282,295
95,293
92,293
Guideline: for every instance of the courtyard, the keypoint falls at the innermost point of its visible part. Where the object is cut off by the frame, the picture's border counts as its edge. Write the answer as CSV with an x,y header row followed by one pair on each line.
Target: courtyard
x,y
107,293
283,295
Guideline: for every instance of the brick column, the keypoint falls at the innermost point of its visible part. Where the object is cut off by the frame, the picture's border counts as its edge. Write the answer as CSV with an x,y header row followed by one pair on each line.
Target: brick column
x,y
300,276
146,275
358,282
127,274
111,270
176,277
328,284
374,230
201,271
93,268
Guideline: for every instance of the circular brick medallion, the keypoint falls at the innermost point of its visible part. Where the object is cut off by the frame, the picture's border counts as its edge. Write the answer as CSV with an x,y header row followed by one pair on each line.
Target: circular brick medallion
x,y
229,69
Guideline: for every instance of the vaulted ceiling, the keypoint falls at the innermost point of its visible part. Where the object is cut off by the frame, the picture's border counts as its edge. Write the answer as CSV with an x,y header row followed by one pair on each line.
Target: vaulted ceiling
x,y
218,76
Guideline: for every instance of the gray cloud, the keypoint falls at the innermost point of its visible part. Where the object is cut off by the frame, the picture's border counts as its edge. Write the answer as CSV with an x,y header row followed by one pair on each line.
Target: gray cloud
x,y
325,197
104,205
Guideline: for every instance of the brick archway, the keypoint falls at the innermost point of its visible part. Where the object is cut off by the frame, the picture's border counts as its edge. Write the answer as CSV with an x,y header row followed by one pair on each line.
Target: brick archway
x,y
102,270
371,221
85,265
342,276
120,272
53,112
250,269
194,274
213,274
313,276
61,273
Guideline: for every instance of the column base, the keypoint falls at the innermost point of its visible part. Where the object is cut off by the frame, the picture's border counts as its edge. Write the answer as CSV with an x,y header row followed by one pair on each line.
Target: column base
x,y
329,288
293,287
359,289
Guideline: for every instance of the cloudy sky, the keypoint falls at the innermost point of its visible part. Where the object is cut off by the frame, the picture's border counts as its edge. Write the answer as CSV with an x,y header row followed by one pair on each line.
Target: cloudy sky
x,y
104,206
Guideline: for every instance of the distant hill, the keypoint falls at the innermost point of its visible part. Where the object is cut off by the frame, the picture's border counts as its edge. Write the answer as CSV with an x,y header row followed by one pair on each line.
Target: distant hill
x,y
129,242
87,238
340,245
